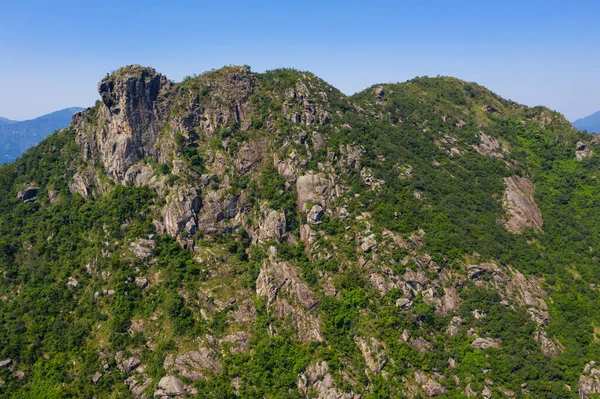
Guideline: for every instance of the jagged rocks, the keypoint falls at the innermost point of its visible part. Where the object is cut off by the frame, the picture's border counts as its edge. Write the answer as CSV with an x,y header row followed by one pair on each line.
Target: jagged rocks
x,y
130,124
277,277
271,225
6,363
520,205
179,214
490,147
194,364
316,382
315,214
429,384
142,248
589,382
373,352
126,365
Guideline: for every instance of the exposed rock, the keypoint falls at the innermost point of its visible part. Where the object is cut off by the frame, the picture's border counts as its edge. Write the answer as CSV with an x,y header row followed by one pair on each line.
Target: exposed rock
x,y
450,300
72,283
487,393
318,141
520,205
373,352
548,346
27,194
469,392
277,276
6,363
454,326
271,225
315,214
589,382
96,377
404,303
429,385
237,342
368,243
312,189
485,343
316,382
490,147
141,282
421,345
126,365
179,214
143,248
194,364
169,387
582,152
129,121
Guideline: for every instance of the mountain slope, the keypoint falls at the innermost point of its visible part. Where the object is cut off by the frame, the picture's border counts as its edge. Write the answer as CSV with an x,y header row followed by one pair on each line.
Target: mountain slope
x,y
590,123
16,137
263,235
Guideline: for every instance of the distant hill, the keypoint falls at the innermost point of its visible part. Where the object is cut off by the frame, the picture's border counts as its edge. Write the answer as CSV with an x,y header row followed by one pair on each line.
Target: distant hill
x,y
590,123
18,136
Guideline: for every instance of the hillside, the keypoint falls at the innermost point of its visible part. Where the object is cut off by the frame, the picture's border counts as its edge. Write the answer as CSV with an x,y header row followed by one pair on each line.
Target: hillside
x,y
590,123
18,136
262,235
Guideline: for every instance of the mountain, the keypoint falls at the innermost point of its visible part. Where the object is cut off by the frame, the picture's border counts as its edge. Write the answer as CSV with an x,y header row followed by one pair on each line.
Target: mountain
x,y
16,137
590,123
263,235
4,121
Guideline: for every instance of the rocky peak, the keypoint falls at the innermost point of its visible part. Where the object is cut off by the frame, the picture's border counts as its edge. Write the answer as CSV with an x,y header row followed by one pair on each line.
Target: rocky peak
x,y
129,119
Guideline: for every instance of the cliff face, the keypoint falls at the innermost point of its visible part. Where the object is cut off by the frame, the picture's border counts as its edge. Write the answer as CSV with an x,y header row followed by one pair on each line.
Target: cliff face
x,y
263,235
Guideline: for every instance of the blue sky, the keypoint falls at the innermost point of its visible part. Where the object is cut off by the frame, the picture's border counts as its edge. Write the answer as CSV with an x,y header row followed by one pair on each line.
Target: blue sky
x,y
52,54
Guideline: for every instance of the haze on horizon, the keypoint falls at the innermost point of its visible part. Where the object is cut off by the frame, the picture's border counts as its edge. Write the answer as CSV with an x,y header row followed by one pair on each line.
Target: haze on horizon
x,y
538,53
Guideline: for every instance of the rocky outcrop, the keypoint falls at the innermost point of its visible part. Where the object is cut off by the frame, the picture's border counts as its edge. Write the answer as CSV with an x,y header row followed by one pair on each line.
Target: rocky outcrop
x,y
278,281
429,384
194,364
129,119
313,189
316,382
169,387
373,352
490,147
520,205
179,214
589,382
582,151
271,225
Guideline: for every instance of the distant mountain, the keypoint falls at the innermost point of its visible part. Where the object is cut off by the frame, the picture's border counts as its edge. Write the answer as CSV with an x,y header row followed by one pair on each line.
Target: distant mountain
x,y
590,123
4,121
18,136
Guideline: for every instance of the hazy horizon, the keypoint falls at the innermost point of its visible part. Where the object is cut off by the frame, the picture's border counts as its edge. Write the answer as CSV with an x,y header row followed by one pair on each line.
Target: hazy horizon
x,y
523,52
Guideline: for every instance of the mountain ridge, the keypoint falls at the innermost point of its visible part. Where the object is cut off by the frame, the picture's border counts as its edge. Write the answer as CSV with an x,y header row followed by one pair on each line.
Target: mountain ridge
x,y
243,234
590,123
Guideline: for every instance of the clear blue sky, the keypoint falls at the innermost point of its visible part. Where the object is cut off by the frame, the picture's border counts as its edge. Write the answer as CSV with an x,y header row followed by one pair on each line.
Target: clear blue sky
x,y
53,53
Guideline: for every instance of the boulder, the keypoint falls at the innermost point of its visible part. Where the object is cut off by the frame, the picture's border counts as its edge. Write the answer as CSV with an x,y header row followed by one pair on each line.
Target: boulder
x,y
315,214
169,387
